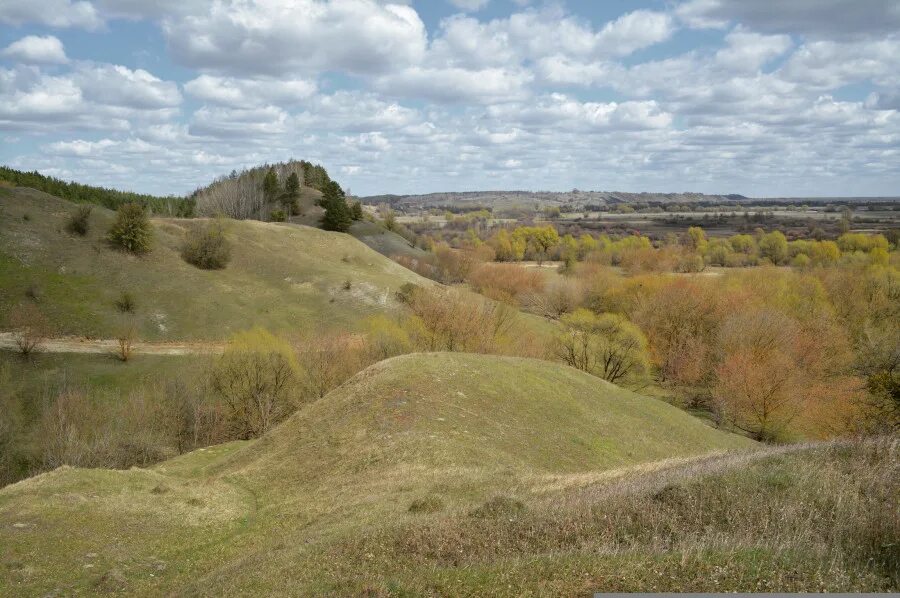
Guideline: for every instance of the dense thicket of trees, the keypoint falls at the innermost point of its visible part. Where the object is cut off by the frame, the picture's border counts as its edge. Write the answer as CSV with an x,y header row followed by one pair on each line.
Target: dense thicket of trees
x,y
108,198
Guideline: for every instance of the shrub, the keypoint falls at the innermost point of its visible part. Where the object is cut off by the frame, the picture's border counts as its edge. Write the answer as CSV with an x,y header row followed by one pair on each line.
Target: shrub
x,y
30,327
126,303
125,340
277,216
79,220
132,230
207,248
506,282
257,378
406,292
608,345
327,362
560,297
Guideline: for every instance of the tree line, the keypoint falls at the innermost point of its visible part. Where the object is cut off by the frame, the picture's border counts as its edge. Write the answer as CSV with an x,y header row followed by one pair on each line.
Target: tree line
x,y
112,199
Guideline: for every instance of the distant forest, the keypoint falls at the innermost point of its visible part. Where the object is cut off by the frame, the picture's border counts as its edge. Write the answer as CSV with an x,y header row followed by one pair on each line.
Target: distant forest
x,y
108,198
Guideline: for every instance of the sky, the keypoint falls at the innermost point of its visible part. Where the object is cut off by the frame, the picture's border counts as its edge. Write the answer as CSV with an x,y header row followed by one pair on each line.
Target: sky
x,y
764,98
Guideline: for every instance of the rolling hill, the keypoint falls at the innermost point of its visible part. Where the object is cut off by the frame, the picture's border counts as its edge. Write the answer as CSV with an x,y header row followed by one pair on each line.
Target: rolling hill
x,y
282,276
283,513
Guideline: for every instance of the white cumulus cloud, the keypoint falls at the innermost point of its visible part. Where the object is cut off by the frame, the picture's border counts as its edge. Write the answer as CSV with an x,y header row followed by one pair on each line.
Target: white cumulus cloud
x,y
35,49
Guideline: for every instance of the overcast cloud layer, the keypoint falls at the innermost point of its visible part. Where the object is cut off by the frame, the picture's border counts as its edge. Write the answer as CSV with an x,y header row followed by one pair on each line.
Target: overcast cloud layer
x,y
764,98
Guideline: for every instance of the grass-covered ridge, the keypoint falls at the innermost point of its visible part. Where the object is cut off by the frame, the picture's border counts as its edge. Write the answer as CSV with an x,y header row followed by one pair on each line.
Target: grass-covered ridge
x,y
284,277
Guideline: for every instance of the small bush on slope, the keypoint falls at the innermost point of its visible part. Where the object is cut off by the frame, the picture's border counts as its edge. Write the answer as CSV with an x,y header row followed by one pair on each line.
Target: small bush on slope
x,y
79,221
207,248
131,230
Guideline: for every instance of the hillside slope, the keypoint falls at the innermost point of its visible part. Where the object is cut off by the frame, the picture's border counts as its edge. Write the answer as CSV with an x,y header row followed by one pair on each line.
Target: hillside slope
x,y
463,411
284,514
385,242
282,276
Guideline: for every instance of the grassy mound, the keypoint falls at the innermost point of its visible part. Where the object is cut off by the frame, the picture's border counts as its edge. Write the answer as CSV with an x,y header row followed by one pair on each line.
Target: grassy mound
x,y
457,412
460,475
282,276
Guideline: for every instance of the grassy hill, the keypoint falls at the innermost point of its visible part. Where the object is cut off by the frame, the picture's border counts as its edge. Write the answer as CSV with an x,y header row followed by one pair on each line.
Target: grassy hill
x,y
407,451
452,410
285,277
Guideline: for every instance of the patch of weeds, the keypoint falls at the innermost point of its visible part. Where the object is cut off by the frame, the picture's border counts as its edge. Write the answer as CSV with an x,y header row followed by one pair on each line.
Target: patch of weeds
x,y
347,285
159,489
195,502
671,495
111,581
33,291
26,217
778,479
500,506
428,504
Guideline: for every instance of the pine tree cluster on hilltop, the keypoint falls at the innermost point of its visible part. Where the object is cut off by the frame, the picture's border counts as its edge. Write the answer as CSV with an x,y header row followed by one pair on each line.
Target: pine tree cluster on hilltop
x,y
272,193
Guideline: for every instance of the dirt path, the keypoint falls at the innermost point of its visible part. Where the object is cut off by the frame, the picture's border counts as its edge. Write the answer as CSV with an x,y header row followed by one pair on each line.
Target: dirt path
x,y
71,344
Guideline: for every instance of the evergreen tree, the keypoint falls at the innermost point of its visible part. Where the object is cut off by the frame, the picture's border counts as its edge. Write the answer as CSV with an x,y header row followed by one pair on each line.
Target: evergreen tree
x,y
270,185
337,213
356,210
291,199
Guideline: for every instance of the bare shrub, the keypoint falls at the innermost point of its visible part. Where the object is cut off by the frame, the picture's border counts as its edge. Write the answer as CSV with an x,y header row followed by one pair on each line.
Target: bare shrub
x,y
125,341
257,378
448,320
30,327
455,265
73,432
509,283
559,297
327,361
422,267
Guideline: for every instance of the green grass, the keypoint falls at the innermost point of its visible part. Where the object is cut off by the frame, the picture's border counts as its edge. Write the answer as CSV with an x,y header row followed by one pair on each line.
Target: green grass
x,y
46,373
284,277
452,410
323,503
